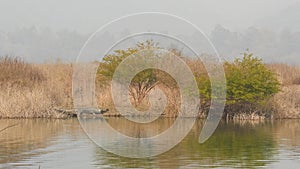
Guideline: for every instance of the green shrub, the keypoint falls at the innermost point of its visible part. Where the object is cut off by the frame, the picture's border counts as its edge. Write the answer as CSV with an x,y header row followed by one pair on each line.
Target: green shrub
x,y
249,85
249,81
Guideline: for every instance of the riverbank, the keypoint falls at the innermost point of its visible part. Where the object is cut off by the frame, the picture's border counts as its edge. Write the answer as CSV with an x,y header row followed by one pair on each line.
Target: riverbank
x,y
37,90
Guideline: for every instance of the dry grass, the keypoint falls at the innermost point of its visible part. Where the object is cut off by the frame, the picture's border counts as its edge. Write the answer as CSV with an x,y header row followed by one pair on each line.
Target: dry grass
x,y
58,83
286,103
287,75
29,90
166,83
14,72
104,97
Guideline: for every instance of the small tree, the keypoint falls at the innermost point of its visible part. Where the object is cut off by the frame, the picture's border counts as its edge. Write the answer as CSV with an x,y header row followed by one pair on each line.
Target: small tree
x,y
143,82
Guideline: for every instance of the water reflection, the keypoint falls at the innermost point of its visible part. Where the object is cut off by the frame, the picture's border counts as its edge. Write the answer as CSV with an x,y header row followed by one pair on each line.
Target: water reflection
x,y
62,144
25,136
146,139
232,145
288,132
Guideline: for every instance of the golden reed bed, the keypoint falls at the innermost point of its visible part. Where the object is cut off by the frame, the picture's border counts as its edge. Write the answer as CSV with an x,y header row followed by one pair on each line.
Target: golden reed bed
x,y
35,90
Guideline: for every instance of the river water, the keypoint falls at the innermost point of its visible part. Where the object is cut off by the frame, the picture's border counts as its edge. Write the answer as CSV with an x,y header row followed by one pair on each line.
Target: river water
x,y
44,143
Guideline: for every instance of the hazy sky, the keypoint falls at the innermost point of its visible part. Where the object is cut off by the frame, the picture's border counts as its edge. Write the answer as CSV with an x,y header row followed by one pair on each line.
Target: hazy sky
x,y
40,30
87,16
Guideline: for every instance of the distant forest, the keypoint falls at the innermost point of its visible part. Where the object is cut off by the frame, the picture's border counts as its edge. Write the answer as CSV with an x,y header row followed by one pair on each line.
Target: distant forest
x,y
44,45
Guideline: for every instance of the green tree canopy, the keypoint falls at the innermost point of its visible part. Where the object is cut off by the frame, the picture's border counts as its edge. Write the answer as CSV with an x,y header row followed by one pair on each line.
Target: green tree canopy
x,y
143,82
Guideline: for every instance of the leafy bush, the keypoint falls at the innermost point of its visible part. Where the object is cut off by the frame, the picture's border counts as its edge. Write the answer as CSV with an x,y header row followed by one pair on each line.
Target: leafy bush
x,y
249,81
249,86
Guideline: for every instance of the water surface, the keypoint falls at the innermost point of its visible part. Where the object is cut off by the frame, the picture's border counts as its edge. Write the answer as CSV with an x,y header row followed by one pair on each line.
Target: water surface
x,y
34,143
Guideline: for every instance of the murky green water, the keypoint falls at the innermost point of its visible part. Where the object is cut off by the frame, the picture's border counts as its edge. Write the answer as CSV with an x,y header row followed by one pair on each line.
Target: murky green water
x,y
35,143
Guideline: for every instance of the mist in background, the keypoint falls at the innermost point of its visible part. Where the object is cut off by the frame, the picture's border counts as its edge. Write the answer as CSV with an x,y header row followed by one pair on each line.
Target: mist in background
x,y
51,30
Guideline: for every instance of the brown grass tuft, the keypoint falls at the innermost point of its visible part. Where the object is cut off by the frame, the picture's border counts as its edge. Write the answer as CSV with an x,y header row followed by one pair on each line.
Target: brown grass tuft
x,y
286,103
287,75
29,90
14,72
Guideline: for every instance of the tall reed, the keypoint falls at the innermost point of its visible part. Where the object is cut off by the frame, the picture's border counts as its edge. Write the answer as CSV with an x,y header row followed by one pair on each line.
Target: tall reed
x,y
30,90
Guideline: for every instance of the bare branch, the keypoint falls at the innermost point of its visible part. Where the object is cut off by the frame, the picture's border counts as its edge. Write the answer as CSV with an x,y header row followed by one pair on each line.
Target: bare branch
x,y
8,127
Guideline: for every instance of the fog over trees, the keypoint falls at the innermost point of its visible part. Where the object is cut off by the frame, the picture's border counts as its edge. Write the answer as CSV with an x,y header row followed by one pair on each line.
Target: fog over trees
x,y
45,45
281,46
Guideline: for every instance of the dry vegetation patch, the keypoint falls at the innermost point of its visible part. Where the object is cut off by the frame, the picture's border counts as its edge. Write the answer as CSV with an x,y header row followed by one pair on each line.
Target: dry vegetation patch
x,y
29,90
286,103
34,90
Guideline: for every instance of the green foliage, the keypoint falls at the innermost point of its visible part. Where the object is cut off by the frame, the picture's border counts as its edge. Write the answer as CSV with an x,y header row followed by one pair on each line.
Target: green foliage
x,y
249,80
249,83
111,62
204,87
144,81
